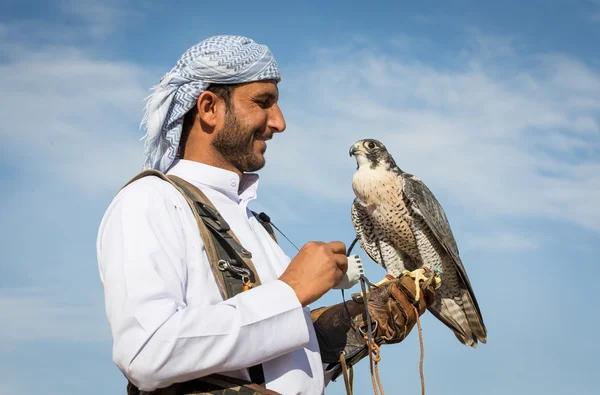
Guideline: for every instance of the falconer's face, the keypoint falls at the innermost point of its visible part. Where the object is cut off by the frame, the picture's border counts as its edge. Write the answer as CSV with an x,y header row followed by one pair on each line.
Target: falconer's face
x,y
251,120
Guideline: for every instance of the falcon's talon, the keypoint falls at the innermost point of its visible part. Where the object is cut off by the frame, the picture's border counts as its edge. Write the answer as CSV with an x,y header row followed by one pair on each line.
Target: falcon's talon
x,y
417,275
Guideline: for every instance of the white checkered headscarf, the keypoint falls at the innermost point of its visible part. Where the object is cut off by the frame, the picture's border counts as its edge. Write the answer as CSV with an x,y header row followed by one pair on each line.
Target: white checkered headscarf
x,y
218,60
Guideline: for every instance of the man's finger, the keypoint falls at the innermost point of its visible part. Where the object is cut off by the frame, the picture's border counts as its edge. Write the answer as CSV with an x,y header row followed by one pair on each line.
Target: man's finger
x,y
341,262
339,275
337,247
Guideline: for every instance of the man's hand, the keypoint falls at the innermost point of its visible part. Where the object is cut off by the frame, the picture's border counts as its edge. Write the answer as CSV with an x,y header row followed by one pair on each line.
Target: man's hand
x,y
316,269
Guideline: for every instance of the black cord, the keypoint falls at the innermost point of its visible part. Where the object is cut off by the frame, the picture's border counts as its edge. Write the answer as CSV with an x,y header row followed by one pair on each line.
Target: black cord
x,y
267,219
351,246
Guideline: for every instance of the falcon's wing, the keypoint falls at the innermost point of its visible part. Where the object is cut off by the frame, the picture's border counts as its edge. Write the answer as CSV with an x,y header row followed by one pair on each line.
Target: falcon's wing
x,y
424,204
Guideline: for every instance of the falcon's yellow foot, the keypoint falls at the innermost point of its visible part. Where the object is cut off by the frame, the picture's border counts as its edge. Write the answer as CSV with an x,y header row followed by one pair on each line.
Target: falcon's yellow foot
x,y
418,275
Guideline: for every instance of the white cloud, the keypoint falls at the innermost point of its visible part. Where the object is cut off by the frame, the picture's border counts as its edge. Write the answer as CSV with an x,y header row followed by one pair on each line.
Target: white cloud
x,y
73,115
503,134
514,136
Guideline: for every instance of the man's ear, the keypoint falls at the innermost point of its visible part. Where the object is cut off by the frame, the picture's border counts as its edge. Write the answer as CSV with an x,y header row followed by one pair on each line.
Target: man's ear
x,y
209,107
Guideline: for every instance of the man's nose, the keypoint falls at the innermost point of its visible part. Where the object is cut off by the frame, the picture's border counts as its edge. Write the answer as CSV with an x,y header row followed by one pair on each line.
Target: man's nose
x,y
276,121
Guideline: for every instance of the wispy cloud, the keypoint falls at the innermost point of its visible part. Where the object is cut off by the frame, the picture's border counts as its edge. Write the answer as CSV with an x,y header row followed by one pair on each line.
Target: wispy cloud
x,y
75,115
501,133
498,134
511,135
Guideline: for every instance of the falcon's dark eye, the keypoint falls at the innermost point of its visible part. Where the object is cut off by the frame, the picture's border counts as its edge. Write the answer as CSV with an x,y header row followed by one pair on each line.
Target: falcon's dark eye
x,y
370,145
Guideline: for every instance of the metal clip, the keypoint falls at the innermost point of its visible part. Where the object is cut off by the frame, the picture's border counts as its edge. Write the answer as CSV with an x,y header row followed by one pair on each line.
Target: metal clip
x,y
240,271
223,265
373,330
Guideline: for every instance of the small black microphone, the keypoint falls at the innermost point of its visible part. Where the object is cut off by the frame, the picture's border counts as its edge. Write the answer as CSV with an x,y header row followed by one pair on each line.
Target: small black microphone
x,y
265,217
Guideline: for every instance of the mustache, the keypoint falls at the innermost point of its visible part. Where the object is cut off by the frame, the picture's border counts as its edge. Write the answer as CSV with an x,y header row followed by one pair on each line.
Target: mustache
x,y
263,136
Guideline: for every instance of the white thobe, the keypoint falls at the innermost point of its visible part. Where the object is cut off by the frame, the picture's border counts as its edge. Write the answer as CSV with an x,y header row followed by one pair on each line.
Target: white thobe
x,y
168,319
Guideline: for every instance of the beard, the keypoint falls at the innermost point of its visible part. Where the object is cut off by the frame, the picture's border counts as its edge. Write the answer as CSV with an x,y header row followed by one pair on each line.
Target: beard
x,y
235,143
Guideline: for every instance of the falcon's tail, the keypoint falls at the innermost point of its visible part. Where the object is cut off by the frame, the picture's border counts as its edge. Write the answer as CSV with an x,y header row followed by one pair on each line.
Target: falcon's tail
x,y
462,316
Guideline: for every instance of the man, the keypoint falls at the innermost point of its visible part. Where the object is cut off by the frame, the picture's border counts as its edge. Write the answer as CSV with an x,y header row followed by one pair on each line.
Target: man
x,y
208,123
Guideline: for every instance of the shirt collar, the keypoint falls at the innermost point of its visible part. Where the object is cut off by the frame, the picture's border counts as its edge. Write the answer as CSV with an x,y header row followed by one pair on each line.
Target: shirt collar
x,y
224,181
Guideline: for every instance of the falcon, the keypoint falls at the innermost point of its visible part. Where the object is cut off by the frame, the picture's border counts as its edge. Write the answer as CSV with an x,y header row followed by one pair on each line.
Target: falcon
x,y
402,227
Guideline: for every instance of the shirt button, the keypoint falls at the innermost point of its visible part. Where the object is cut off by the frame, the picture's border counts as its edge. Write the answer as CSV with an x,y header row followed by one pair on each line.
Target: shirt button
x,y
233,182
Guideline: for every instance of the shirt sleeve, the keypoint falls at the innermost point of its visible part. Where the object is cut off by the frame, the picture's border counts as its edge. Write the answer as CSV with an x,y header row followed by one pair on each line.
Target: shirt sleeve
x,y
160,339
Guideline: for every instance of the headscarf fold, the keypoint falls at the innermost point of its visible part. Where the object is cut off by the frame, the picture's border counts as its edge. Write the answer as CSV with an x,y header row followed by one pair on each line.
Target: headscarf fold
x,y
216,60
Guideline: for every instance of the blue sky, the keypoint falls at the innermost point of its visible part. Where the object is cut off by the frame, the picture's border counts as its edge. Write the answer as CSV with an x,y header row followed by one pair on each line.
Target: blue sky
x,y
495,105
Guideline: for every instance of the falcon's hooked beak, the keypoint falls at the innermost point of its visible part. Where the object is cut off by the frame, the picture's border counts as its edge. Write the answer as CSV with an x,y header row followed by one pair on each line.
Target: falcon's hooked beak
x,y
359,153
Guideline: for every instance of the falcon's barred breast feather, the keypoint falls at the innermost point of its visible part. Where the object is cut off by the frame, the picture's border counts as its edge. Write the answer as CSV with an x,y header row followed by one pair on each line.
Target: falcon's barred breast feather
x,y
402,226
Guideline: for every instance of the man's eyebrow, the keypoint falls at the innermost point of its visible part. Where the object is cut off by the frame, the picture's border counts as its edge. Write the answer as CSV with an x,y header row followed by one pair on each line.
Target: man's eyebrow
x,y
266,95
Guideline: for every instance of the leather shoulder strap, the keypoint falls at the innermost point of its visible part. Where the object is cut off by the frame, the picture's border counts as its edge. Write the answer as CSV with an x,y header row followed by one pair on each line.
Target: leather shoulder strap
x,y
213,228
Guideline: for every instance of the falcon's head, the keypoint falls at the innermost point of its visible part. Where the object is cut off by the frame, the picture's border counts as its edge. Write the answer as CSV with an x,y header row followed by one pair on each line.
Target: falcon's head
x,y
372,153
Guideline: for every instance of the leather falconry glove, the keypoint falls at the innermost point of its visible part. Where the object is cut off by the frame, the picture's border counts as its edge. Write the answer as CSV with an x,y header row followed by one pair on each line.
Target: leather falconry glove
x,y
342,328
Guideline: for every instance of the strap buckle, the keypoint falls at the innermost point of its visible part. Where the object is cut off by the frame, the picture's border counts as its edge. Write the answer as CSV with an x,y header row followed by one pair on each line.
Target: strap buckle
x,y
212,218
